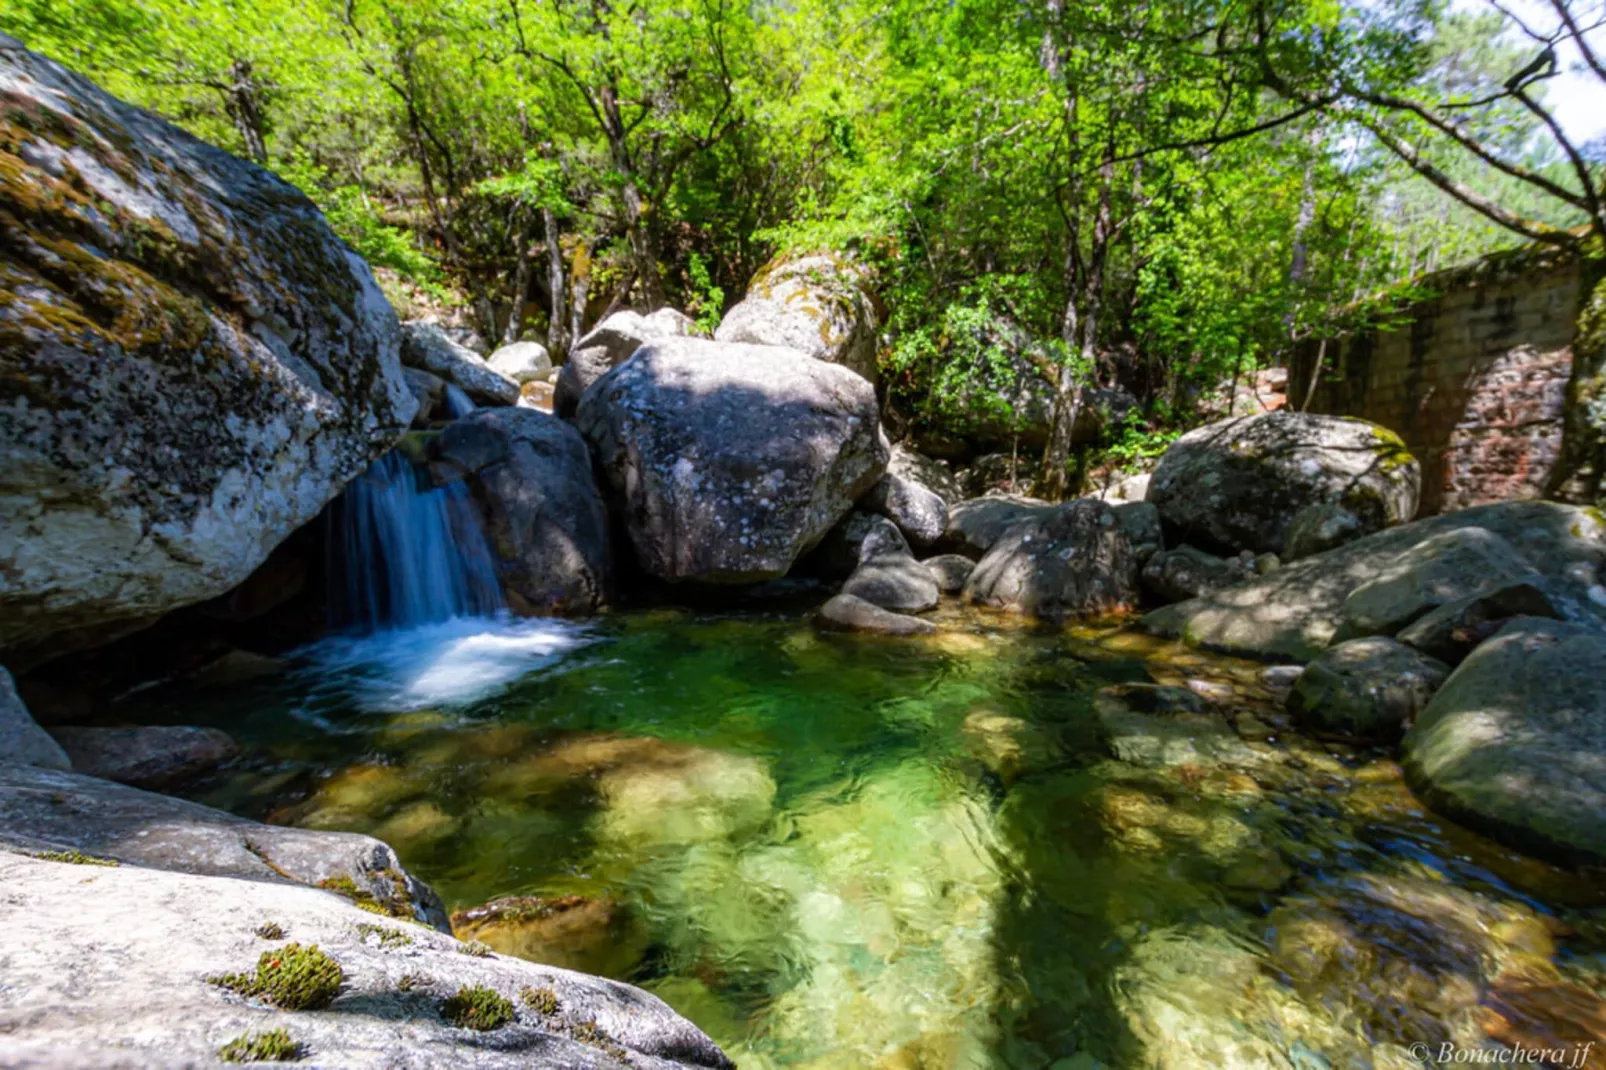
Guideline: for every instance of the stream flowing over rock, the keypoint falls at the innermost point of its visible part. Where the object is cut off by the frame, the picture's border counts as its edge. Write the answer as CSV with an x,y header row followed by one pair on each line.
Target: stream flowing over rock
x,y
1511,743
193,363
1075,561
97,983
1296,611
544,518
1239,483
608,345
727,462
815,305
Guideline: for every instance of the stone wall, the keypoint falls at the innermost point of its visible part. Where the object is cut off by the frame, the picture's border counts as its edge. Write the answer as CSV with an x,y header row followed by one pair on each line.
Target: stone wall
x,y
1475,380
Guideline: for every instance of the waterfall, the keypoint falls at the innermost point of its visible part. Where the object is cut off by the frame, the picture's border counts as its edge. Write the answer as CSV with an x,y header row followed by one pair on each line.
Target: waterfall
x,y
403,553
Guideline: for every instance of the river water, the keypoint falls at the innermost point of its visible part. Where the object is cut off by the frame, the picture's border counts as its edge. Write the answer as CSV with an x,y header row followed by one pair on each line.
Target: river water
x,y
957,851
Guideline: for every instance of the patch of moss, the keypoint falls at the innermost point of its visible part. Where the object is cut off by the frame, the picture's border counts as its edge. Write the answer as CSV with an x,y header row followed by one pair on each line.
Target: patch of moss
x,y
363,899
274,1046
388,937
477,948
541,1000
270,930
292,977
75,858
588,1032
477,1007
411,981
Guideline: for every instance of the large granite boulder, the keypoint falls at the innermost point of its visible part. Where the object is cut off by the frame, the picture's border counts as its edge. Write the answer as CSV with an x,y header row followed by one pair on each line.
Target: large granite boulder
x,y
1298,610
608,345
117,966
1188,572
1075,561
816,305
1451,632
727,462
192,363
530,472
1365,690
427,347
1238,484
1512,743
1440,569
21,738
933,474
1316,529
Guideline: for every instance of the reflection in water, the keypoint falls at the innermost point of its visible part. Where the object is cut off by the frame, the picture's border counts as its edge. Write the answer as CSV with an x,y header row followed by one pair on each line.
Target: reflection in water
x,y
837,852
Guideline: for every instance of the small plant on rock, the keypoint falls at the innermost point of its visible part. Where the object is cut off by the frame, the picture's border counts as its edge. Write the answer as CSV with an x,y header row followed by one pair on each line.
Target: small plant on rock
x,y
274,1046
477,948
293,977
388,937
588,1032
477,1007
541,1000
270,930
75,858
411,981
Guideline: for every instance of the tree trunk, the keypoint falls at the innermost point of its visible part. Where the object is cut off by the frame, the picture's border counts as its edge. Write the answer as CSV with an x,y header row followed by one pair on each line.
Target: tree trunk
x,y
244,103
521,288
556,337
642,247
581,275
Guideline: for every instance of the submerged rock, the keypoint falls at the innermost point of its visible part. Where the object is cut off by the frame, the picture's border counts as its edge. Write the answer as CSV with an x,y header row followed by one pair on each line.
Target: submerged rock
x,y
426,346
848,613
1075,561
1511,744
608,345
1297,610
1366,690
91,982
728,462
1163,727
815,305
544,517
148,757
194,363
574,932
1237,484
21,739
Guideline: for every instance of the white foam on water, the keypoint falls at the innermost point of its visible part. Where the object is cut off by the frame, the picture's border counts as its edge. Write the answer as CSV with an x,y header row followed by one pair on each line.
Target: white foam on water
x,y
454,662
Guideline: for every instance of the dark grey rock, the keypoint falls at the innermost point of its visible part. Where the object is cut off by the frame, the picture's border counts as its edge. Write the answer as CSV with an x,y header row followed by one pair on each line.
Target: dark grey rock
x,y
146,757
21,739
950,571
1365,690
427,347
919,513
1450,632
1075,561
845,613
1316,529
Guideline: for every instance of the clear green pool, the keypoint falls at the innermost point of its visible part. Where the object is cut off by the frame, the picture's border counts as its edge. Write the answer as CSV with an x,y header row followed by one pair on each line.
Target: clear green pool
x,y
837,851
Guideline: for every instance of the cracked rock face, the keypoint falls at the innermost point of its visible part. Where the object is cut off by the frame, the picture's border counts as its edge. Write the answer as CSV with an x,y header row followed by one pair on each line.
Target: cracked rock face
x,y
726,462
193,363
1237,484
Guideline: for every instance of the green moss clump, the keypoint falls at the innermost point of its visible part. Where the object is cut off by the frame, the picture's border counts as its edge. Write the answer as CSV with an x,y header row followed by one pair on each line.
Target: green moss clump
x,y
477,1007
75,858
274,1046
292,977
363,899
477,948
388,937
588,1032
541,1000
270,930
411,981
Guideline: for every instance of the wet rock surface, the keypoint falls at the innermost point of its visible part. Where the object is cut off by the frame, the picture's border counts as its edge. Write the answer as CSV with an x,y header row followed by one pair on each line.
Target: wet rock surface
x,y
727,462
256,361
148,757
1510,743
1366,690
1239,483
544,517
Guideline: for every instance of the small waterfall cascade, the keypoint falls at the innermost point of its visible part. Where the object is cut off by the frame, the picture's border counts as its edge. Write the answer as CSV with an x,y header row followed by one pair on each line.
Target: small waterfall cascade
x,y
403,553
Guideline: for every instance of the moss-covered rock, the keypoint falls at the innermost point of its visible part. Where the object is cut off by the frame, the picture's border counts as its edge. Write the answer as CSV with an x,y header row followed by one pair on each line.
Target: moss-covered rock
x,y
191,362
817,305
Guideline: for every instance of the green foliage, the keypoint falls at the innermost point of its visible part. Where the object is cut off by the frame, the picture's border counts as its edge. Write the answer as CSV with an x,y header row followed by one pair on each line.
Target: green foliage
x,y
478,949
387,937
293,978
542,1000
352,215
75,858
477,1007
273,1046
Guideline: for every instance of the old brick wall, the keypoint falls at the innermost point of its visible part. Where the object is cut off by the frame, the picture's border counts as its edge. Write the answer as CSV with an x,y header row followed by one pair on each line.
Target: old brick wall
x,y
1475,382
